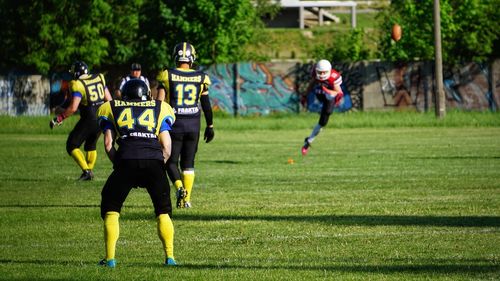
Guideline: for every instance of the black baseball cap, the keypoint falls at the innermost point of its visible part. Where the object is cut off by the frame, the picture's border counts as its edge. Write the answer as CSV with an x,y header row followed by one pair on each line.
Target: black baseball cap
x,y
135,66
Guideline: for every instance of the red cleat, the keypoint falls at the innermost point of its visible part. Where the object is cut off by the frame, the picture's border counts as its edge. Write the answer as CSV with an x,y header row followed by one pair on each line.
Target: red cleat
x,y
306,147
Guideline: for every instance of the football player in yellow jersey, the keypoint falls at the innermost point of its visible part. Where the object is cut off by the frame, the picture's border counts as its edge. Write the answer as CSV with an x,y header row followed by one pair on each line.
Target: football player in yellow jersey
x,y
185,89
140,127
88,92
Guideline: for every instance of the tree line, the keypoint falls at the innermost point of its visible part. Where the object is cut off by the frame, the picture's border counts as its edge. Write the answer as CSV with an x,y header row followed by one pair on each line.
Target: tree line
x,y
48,35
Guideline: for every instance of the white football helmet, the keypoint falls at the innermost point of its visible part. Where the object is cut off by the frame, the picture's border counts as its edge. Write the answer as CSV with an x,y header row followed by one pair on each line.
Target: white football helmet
x,y
323,70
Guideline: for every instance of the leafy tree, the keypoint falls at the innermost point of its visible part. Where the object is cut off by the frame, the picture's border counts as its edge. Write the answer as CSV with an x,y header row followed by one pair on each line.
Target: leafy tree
x,y
46,35
469,30
218,29
351,48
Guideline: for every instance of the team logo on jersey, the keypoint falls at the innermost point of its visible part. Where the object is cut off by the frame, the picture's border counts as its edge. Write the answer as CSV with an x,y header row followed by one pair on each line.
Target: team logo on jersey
x,y
186,111
143,135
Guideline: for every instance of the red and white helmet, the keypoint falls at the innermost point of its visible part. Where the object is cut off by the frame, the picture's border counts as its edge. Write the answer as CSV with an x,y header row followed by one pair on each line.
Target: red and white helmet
x,y
323,70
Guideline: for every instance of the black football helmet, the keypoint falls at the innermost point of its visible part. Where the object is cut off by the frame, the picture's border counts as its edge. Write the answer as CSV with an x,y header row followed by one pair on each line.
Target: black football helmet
x,y
184,52
135,89
79,68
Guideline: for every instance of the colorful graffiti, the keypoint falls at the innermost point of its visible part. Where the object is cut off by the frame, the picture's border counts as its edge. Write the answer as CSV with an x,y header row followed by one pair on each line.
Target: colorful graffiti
x,y
265,88
251,88
411,85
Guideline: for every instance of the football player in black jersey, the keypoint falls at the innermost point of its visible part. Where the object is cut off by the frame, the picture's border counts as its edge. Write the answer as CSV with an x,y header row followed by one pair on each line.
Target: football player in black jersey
x,y
186,90
88,92
140,127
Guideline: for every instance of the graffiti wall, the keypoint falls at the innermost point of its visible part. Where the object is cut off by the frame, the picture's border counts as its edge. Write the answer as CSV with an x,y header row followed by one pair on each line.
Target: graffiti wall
x,y
24,95
411,86
252,88
264,88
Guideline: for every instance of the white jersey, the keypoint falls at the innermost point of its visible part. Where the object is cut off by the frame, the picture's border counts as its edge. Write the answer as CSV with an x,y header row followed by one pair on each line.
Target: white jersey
x,y
128,78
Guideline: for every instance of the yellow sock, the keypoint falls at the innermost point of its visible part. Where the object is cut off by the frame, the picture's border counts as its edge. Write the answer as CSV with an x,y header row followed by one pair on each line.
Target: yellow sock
x,y
188,180
91,158
178,184
78,156
166,234
111,233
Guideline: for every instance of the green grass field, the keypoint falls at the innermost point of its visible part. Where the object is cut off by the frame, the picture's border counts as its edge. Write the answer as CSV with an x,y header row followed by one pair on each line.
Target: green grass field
x,y
381,196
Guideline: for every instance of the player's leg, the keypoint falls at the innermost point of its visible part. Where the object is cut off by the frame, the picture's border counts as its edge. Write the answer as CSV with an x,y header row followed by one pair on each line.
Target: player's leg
x,y
75,139
114,193
158,188
173,167
90,146
326,111
111,235
188,154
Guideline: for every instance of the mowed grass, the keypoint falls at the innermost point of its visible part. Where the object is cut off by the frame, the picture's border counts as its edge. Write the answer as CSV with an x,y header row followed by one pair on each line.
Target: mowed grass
x,y
381,196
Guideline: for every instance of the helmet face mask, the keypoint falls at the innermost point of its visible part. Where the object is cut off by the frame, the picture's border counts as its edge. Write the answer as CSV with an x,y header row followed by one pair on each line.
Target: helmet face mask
x,y
184,53
135,89
78,69
323,70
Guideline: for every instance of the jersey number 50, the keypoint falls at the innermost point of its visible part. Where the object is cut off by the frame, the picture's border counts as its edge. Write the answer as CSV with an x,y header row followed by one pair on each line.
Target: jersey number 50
x,y
96,92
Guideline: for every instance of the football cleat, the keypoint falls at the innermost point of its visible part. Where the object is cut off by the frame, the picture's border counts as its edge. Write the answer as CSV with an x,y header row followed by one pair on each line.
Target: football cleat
x,y
87,175
187,204
181,194
170,262
306,147
107,263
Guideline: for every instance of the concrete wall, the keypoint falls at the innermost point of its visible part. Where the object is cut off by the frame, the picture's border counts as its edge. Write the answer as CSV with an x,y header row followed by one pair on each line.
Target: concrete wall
x,y
24,95
411,86
263,88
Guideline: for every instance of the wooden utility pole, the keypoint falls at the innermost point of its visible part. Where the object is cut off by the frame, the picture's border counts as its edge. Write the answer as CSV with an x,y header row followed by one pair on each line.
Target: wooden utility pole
x,y
440,99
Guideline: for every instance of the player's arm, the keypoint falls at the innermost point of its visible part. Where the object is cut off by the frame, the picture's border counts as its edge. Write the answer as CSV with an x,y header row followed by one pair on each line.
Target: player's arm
x,y
336,90
109,146
61,107
107,94
166,144
162,79
67,112
167,118
118,94
161,93
207,111
104,119
118,91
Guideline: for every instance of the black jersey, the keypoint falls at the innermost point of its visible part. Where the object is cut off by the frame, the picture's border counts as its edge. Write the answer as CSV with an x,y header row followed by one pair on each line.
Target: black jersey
x,y
184,88
92,90
137,125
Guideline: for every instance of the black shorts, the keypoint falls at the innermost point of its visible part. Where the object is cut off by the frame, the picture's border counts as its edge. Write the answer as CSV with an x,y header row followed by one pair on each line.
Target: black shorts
x,y
128,174
86,130
184,147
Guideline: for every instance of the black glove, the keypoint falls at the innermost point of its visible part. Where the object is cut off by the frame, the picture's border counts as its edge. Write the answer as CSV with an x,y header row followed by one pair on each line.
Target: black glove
x,y
209,134
55,122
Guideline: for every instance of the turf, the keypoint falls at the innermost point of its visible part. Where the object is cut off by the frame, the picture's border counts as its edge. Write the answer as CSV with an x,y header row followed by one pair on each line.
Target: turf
x,y
381,196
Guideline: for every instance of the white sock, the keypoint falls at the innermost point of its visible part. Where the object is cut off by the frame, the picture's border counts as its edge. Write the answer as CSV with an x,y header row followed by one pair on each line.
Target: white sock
x,y
314,133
